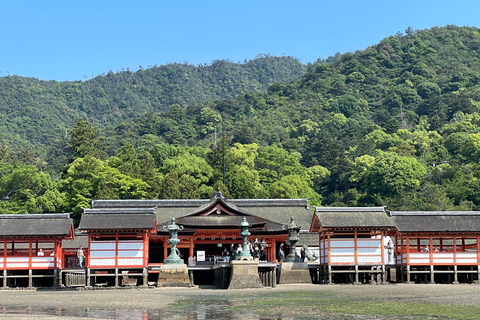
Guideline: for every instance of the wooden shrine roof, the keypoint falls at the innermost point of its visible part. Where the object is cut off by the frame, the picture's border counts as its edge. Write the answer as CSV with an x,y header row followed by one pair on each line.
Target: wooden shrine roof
x,y
353,217
275,210
117,219
436,221
36,225
81,239
226,222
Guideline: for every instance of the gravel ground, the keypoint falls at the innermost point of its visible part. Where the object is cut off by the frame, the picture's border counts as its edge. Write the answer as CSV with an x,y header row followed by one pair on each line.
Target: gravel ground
x,y
66,301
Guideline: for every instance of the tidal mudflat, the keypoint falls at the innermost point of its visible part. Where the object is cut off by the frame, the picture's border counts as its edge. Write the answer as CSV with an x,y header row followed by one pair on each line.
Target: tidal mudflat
x,y
418,301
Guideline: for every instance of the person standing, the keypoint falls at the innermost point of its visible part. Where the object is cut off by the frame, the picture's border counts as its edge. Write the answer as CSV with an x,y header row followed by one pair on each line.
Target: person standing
x,y
302,254
225,255
80,256
232,251
281,253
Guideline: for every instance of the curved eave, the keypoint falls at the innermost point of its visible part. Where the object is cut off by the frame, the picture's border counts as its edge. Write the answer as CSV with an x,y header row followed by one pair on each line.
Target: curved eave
x,y
118,230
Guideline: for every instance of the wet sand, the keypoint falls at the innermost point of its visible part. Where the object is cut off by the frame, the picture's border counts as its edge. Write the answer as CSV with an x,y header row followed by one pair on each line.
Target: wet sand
x,y
160,298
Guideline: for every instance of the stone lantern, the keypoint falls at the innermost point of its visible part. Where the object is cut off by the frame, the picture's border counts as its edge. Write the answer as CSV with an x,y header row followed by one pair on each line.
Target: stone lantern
x,y
293,230
244,234
173,240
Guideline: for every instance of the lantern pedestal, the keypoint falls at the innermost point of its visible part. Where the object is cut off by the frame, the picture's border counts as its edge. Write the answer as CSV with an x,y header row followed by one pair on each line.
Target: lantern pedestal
x,y
173,275
294,272
244,275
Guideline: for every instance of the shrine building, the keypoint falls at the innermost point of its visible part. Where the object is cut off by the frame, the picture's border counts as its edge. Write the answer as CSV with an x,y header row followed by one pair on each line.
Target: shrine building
x,y
31,248
352,243
128,236
437,246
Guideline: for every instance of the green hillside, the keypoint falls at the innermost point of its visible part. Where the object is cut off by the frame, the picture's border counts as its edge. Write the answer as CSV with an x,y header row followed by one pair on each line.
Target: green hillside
x,y
395,124
35,112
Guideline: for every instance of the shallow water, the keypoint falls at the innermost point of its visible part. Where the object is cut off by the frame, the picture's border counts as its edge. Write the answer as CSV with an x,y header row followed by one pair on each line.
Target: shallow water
x,y
199,312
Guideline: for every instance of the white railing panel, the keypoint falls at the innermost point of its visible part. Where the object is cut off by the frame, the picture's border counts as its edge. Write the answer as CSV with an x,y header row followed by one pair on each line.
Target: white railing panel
x,y
342,243
343,259
369,243
446,260
131,245
466,254
103,245
369,259
43,259
369,251
17,259
442,255
43,265
102,254
17,265
102,262
420,255
342,251
469,261
130,262
422,261
136,254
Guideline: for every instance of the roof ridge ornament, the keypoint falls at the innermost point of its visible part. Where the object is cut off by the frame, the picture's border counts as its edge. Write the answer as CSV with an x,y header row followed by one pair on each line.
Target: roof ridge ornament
x,y
218,195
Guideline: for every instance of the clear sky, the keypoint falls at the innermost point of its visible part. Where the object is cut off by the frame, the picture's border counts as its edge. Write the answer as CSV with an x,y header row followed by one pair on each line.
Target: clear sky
x,y
76,40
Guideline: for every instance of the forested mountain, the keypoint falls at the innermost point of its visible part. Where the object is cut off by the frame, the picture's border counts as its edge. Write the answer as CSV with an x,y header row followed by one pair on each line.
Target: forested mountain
x,y
396,124
37,111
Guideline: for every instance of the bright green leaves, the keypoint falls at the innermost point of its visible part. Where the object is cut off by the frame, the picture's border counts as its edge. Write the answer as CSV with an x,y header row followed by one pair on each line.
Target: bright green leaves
x,y
392,174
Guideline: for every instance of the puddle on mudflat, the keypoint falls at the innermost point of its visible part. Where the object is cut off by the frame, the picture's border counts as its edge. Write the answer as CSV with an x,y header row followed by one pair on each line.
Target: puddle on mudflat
x,y
199,312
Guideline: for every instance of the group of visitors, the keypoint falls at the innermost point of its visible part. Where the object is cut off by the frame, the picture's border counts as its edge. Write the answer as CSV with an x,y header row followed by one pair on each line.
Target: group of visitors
x,y
435,249
257,249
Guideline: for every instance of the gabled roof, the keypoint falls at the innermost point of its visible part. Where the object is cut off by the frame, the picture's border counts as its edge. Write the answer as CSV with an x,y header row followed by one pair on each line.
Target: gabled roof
x,y
221,214
58,225
81,239
276,211
353,217
120,219
436,221
218,206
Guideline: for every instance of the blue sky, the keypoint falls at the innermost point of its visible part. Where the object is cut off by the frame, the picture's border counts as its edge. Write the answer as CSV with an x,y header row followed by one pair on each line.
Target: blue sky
x,y
75,40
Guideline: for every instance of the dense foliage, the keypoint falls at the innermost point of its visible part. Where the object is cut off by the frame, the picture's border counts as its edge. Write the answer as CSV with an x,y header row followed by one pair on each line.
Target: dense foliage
x,y
396,124
34,112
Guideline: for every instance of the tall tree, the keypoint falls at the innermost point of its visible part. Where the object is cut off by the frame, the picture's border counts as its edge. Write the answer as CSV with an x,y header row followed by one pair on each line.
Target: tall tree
x,y
85,141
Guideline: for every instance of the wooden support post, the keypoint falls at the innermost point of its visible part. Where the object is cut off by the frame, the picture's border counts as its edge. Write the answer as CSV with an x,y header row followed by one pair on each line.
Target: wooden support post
x,y
408,273
191,248
274,278
478,274
384,274
356,274
60,276
87,277
330,274
30,278
4,278
116,277
55,277
432,274
455,275
145,277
